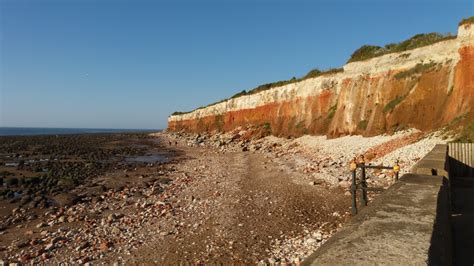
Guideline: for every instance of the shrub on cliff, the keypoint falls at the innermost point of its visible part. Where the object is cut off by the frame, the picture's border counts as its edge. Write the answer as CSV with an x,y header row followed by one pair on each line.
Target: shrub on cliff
x,y
237,95
418,68
179,113
391,105
313,73
219,122
363,124
317,73
332,112
469,20
267,129
366,52
370,51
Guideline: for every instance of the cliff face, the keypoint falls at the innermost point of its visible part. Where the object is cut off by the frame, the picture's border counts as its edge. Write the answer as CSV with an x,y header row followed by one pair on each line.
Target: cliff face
x,y
424,88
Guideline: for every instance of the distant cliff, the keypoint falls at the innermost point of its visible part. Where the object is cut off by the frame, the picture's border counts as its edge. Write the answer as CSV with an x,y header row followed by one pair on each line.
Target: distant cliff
x,y
426,88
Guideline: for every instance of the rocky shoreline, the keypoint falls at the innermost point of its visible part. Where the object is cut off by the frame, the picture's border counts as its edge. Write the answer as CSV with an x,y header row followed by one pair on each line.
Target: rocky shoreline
x,y
210,198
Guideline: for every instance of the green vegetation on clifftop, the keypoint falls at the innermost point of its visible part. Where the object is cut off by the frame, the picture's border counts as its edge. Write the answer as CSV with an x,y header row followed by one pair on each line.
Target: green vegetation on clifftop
x,y
370,51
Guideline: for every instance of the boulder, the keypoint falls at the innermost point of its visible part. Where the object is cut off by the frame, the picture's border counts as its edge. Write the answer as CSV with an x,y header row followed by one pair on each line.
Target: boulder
x,y
65,199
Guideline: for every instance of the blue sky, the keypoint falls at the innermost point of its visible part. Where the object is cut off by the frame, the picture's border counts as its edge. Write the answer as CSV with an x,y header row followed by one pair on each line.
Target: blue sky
x,y
129,64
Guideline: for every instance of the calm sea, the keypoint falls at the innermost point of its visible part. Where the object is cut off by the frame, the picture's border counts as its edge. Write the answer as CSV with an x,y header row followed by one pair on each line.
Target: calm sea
x,y
28,131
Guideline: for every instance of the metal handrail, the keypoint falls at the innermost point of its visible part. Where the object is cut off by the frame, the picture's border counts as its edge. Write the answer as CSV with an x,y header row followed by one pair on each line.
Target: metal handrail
x,y
354,165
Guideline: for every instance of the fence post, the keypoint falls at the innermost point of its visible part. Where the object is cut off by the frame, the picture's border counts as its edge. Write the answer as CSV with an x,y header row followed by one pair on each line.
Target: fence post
x,y
353,167
363,184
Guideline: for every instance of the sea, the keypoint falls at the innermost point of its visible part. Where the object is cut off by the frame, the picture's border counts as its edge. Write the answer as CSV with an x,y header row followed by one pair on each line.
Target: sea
x,y
30,131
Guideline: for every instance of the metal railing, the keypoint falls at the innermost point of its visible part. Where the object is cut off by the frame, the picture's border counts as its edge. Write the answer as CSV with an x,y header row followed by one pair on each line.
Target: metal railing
x,y
362,185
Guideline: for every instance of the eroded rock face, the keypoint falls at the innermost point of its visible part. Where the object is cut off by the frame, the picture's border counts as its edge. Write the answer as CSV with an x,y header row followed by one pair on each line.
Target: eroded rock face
x,y
424,88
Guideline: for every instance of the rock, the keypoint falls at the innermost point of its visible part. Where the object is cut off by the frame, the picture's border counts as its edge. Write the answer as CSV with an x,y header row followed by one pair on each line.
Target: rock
x,y
25,200
65,199
40,225
310,241
345,184
57,239
34,242
105,245
49,247
22,244
32,217
111,217
318,236
82,246
24,258
95,190
116,231
62,219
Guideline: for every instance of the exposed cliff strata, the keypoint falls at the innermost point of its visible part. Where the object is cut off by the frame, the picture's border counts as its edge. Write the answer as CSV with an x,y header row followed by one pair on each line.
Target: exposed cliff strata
x,y
424,88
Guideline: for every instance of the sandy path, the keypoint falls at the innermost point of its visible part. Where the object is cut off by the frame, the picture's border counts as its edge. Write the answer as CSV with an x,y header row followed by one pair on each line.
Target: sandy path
x,y
239,205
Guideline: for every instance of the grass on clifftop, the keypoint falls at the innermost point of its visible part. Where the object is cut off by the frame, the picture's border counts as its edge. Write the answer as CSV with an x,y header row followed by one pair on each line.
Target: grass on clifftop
x,y
370,51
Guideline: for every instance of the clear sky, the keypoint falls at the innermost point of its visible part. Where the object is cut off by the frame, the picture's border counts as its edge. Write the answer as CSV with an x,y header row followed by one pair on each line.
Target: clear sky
x,y
129,64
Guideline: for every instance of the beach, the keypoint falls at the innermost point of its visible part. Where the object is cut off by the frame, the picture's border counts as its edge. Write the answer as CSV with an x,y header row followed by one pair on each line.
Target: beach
x,y
216,198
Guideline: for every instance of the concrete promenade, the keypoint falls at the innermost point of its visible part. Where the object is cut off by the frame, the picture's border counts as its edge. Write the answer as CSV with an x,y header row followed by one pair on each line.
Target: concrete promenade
x,y
427,217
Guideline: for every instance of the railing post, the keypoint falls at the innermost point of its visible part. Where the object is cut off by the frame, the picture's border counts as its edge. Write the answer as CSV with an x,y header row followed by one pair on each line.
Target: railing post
x,y
363,184
353,167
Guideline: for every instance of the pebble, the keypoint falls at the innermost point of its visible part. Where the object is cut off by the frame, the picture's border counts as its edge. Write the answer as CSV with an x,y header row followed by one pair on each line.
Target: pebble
x,y
318,236
49,247
40,225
